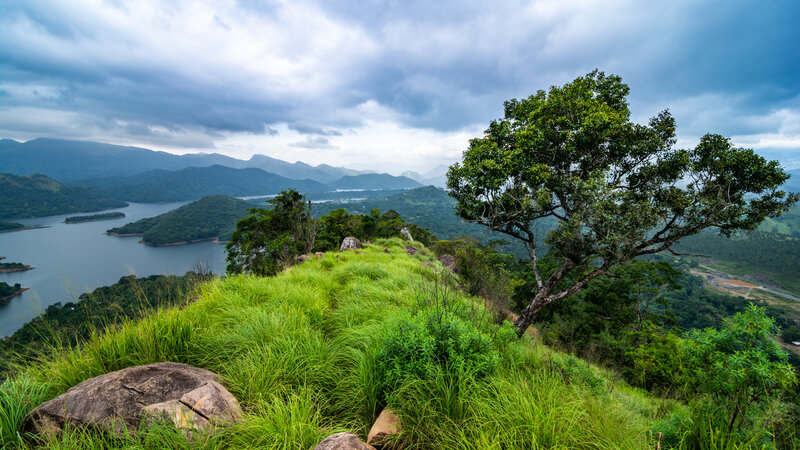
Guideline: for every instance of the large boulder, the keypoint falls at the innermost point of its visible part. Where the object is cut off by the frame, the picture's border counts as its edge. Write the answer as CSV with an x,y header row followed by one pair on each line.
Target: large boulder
x,y
343,441
350,243
191,398
386,425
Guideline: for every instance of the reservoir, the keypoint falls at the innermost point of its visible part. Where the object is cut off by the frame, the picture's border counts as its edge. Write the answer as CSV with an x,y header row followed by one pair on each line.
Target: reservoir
x,y
70,259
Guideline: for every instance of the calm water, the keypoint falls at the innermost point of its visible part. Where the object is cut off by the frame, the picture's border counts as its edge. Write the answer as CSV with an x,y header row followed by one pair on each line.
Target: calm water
x,y
71,259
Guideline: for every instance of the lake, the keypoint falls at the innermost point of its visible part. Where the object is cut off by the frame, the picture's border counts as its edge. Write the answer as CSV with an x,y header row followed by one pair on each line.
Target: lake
x,y
70,259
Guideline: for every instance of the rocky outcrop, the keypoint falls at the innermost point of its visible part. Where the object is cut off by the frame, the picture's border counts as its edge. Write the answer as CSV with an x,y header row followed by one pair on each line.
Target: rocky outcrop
x,y
191,398
350,243
386,425
411,250
343,441
407,234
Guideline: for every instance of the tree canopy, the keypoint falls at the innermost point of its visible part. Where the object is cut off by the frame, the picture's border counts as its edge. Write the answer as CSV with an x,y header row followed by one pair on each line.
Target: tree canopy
x,y
616,189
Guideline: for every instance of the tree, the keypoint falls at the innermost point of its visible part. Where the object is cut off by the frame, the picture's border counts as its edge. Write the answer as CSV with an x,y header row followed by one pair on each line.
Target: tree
x,y
268,239
612,189
740,365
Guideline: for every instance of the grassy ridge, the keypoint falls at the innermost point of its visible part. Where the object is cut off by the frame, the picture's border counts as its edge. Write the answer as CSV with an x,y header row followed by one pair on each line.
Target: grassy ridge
x,y
299,352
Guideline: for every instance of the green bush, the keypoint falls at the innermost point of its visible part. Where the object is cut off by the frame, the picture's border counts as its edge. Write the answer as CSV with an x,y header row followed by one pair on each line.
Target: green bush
x,y
420,344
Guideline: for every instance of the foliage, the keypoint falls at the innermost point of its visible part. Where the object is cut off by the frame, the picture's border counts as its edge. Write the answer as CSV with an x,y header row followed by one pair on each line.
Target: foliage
x,y
39,196
17,397
338,224
11,265
741,365
791,334
267,240
65,326
417,345
572,154
10,226
8,289
207,218
111,215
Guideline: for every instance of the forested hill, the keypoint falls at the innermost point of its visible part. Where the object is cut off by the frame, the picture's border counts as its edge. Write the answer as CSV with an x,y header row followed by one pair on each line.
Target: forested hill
x,y
195,182
39,196
207,218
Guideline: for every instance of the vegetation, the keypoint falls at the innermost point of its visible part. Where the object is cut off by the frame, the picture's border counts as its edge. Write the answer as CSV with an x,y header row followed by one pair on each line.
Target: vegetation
x,y
11,226
13,267
207,218
301,351
374,181
38,196
105,216
7,290
268,240
771,256
66,326
573,155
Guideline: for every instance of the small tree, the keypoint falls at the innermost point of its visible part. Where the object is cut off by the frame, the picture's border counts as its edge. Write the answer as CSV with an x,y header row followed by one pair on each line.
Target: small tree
x,y
740,365
268,239
570,160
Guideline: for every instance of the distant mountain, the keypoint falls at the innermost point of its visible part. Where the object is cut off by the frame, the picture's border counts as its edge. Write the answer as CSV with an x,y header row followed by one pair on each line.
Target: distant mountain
x,y
38,196
208,218
67,160
374,181
793,184
195,182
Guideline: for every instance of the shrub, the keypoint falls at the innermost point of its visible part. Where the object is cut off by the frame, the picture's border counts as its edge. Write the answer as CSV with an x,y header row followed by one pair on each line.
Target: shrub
x,y
420,344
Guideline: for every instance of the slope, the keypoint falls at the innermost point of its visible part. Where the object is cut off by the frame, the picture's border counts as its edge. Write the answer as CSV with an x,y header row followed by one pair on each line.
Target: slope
x,y
301,353
39,196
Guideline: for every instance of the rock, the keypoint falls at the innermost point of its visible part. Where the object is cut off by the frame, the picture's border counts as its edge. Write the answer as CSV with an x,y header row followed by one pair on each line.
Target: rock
x,y
407,234
411,250
427,264
449,262
386,250
319,255
343,441
192,398
350,243
387,424
303,258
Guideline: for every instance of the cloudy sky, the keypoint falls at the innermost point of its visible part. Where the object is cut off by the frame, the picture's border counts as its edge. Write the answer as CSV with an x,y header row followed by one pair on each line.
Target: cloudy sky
x,y
390,85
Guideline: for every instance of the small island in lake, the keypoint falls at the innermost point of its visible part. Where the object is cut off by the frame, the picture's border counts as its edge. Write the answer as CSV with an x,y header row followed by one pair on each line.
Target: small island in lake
x,y
94,217
7,227
13,266
7,291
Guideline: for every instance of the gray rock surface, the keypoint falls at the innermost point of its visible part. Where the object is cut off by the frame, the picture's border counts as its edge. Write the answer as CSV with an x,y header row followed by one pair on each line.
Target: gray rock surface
x,y
343,441
192,398
407,234
350,243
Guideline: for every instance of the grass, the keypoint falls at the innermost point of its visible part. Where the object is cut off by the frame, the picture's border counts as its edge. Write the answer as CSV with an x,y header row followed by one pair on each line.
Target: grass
x,y
300,350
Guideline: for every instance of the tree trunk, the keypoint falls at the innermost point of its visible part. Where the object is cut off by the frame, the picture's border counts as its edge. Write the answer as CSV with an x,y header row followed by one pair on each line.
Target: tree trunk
x,y
526,318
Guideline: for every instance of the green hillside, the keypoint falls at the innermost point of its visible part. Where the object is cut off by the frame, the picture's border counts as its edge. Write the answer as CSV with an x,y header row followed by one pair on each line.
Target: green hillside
x,y
39,196
207,218
306,355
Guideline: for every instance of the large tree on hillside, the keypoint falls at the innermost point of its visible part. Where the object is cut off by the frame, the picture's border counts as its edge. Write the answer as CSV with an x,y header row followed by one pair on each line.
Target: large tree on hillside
x,y
614,189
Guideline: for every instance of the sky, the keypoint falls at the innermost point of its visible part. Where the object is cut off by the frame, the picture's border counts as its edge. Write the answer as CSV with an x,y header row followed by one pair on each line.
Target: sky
x,y
387,86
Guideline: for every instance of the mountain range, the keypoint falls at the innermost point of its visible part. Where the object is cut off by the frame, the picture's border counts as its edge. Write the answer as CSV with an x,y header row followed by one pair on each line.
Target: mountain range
x,y
67,160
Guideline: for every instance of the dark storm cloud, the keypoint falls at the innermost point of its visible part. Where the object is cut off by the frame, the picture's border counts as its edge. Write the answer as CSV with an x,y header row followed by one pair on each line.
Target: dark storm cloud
x,y
719,66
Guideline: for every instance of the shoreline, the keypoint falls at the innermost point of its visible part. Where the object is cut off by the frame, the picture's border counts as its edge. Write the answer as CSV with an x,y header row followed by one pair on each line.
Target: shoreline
x,y
93,220
123,234
214,240
9,297
17,269
21,229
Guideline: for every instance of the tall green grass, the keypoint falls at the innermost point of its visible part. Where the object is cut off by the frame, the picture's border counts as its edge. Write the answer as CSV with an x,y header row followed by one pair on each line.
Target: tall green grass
x,y
300,352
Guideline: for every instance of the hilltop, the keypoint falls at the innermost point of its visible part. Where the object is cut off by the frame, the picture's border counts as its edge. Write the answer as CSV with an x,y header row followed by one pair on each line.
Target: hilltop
x,y
39,196
302,353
